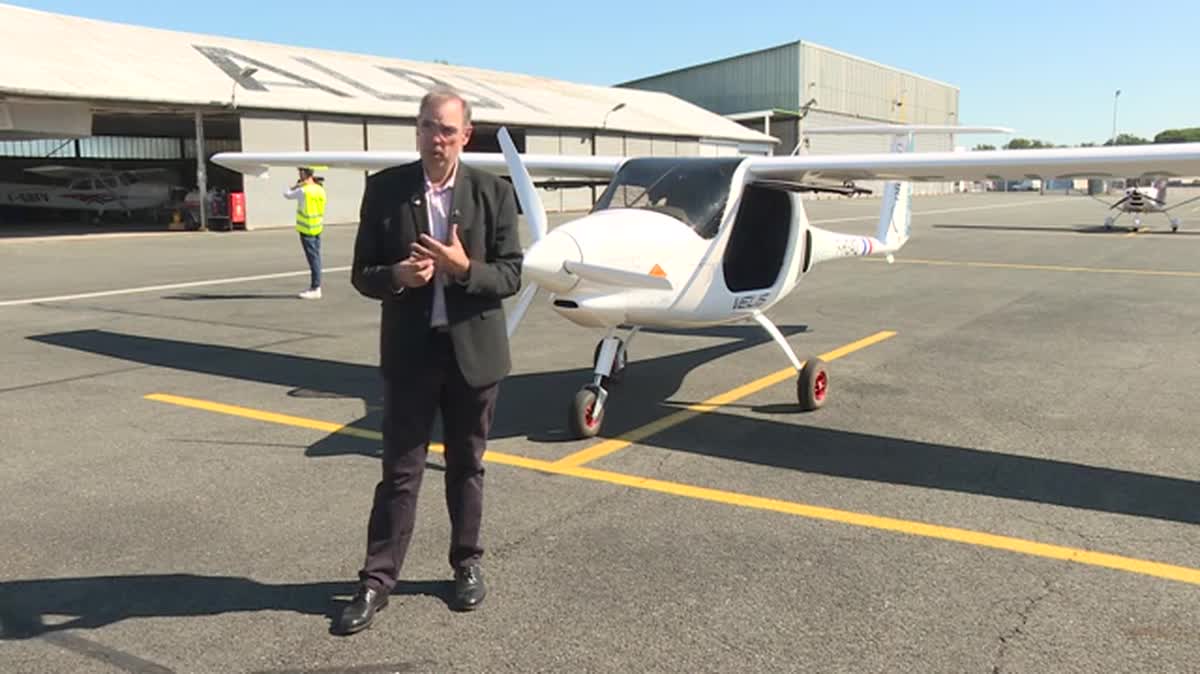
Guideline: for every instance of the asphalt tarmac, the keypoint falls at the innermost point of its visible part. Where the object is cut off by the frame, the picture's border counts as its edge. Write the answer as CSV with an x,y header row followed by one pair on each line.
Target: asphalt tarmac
x,y
1005,477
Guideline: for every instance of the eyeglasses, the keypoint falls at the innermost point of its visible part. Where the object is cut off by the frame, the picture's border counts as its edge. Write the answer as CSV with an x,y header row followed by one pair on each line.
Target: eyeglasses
x,y
432,128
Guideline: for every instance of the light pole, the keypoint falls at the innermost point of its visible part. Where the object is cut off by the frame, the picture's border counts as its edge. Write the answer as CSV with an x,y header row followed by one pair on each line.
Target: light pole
x,y
603,125
246,73
803,112
616,107
1113,139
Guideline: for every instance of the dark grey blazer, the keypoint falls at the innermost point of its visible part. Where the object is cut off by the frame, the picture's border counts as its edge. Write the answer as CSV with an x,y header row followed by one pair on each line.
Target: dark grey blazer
x,y
393,216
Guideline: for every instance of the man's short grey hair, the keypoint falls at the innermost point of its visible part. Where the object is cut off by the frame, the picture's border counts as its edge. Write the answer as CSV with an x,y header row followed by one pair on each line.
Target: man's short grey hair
x,y
445,93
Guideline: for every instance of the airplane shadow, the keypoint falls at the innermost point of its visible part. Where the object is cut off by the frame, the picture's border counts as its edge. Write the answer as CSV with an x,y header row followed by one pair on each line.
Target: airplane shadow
x,y
1119,228
646,396
531,405
891,460
98,601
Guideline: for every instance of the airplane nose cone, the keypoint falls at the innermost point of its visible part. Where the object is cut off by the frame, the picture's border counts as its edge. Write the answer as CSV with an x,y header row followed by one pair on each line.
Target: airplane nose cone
x,y
544,261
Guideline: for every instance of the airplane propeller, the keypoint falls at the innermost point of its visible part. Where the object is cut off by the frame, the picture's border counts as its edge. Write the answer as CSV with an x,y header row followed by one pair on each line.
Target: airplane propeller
x,y
535,214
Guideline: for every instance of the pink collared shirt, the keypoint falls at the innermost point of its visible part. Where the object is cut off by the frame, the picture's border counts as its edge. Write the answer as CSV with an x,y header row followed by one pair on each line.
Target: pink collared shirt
x,y
438,201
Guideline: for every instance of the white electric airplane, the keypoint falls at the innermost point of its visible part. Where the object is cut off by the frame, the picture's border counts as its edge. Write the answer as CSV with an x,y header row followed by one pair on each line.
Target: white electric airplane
x,y
1144,195
683,242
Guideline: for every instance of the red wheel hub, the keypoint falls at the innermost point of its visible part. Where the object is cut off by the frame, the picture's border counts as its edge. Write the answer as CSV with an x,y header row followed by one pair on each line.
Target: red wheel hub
x,y
820,386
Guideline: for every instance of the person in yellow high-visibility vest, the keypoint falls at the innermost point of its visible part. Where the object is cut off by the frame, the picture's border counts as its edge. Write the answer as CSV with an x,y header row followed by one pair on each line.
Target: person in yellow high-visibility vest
x,y
309,193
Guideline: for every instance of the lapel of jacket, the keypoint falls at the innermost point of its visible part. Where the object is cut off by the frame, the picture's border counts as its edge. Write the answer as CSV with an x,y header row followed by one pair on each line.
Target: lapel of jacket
x,y
416,202
460,202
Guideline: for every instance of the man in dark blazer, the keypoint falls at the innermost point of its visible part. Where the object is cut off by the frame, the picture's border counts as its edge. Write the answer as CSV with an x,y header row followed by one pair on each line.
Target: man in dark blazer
x,y
438,244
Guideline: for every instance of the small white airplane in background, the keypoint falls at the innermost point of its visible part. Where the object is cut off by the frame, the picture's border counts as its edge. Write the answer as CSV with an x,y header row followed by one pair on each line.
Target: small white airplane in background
x,y
89,189
1144,195
684,242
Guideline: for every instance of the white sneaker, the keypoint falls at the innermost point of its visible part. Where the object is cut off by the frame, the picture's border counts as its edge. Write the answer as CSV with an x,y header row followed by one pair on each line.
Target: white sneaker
x,y
311,294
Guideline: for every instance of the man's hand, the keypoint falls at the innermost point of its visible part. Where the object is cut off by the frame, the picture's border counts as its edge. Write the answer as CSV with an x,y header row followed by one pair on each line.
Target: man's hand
x,y
449,258
412,273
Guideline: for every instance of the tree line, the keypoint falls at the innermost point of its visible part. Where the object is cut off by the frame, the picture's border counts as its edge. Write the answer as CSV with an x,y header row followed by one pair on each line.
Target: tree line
x,y
1189,135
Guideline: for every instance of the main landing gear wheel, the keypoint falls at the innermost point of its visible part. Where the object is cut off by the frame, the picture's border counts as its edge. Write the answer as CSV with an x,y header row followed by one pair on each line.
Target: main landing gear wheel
x,y
583,418
812,386
617,373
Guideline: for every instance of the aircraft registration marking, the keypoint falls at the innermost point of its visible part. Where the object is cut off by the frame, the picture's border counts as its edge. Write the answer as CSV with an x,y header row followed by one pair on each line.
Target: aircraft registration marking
x,y
750,301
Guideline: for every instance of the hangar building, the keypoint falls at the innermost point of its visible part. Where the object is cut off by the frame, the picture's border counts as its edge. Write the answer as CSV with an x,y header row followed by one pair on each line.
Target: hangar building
x,y
84,93
784,89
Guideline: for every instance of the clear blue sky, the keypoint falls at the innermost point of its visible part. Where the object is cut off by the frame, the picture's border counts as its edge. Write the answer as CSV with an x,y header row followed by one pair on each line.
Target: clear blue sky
x,y
1047,69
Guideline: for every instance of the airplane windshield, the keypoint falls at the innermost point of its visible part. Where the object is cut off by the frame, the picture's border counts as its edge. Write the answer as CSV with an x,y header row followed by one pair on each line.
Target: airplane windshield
x,y
692,190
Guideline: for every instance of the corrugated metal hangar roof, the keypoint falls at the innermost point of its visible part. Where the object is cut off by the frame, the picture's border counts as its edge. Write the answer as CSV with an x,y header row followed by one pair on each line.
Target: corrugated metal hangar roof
x,y
64,57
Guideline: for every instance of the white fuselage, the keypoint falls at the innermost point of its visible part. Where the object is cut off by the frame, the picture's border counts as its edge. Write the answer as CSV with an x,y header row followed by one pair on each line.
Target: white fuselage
x,y
650,243
126,197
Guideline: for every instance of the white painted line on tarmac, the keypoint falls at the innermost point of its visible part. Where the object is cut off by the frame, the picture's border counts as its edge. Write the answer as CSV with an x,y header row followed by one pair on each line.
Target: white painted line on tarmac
x,y
169,286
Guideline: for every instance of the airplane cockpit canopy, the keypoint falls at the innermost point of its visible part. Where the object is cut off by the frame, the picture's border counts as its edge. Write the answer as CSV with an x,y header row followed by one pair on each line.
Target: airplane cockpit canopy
x,y
693,190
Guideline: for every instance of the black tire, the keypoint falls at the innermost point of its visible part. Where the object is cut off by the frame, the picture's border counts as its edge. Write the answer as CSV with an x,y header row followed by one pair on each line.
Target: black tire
x,y
812,386
582,422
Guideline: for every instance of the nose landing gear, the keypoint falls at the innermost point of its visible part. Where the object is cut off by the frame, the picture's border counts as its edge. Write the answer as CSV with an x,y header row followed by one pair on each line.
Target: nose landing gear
x,y
586,413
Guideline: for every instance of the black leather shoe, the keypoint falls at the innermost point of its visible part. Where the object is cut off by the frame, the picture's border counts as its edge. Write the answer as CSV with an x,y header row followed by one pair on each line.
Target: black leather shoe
x,y
469,589
361,611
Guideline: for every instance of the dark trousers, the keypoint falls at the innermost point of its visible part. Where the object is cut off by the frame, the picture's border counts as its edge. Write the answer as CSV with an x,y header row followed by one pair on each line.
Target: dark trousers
x,y
312,253
409,407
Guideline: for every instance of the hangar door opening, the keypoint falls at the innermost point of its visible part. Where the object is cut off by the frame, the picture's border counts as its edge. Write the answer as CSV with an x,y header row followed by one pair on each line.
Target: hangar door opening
x,y
136,172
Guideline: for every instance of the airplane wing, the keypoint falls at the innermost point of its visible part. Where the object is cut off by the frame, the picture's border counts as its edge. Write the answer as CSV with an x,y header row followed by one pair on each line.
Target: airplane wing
x,y
67,172
1175,159
565,166
74,172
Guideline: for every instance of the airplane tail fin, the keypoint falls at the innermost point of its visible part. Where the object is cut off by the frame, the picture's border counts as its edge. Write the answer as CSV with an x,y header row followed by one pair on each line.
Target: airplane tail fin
x,y
892,230
895,216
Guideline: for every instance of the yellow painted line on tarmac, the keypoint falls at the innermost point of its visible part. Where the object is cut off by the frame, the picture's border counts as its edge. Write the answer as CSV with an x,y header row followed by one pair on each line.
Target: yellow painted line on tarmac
x,y
607,447
1139,566
260,415
1045,267
1143,567
317,425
